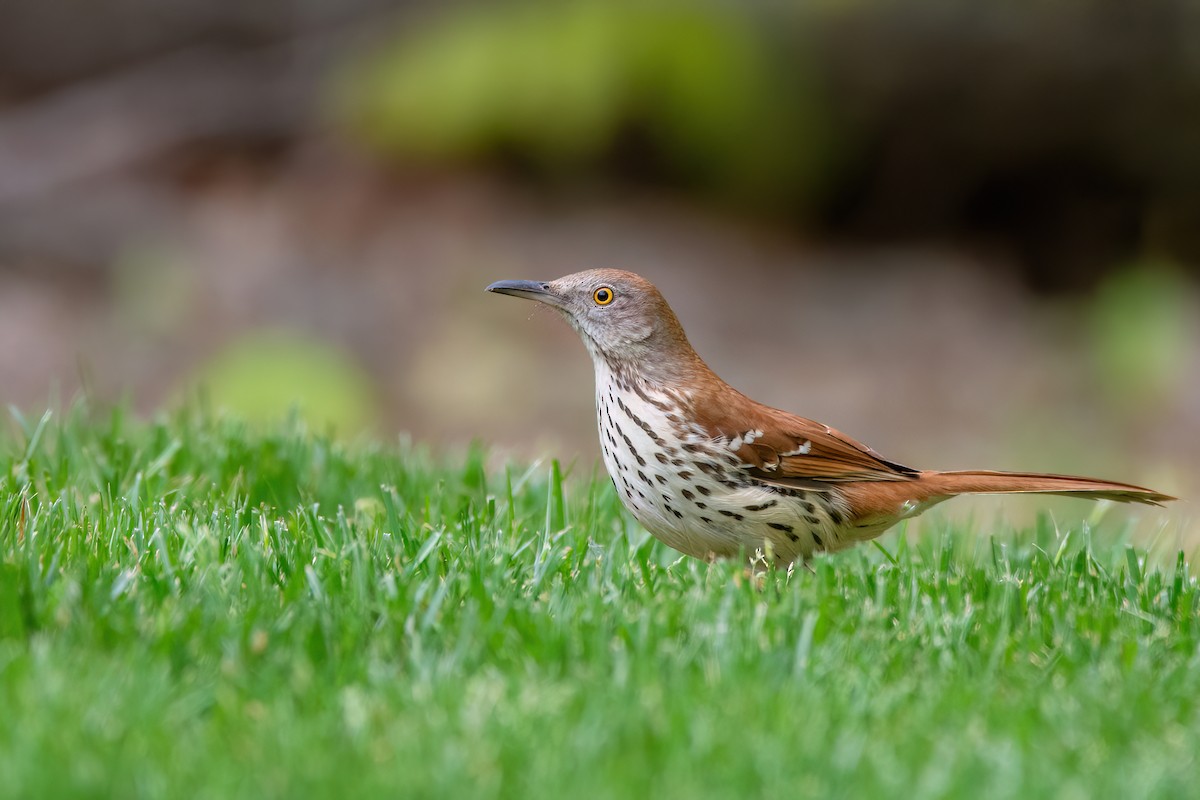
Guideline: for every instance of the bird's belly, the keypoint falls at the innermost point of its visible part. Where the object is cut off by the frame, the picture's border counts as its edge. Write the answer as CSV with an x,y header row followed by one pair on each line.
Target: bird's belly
x,y
696,502
742,522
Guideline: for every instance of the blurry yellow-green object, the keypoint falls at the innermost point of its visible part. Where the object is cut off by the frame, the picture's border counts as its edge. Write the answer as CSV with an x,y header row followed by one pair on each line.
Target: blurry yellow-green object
x,y
1140,333
690,91
268,376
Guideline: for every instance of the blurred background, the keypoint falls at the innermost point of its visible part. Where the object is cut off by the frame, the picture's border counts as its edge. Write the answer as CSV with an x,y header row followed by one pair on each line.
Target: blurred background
x,y
967,233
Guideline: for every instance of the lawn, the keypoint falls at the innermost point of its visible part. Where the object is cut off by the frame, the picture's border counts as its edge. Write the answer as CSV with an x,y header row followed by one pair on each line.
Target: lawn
x,y
196,607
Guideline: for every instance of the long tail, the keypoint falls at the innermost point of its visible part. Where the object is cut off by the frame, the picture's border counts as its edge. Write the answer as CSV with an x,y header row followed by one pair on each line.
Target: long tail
x,y
989,482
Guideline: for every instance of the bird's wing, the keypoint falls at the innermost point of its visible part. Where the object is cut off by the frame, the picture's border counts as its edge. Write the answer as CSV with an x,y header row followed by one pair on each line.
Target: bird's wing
x,y
813,451
777,447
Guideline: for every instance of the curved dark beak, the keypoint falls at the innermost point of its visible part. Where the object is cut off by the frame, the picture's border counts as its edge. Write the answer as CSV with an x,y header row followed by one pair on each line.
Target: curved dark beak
x,y
530,290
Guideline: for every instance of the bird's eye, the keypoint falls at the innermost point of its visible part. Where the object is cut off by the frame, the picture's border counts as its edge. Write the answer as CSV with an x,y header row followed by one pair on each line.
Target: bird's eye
x,y
603,296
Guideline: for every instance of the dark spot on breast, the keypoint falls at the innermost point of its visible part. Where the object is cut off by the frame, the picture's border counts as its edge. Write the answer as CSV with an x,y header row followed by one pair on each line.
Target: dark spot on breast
x,y
817,538
707,521
691,447
687,476
677,462
642,475
779,526
660,479
704,490
641,423
762,506
809,508
811,520
836,517
701,505
689,494
733,514
640,392
628,443
662,459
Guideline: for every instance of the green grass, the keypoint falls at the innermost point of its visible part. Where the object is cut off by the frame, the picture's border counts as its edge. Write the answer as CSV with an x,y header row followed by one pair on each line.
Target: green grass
x,y
192,607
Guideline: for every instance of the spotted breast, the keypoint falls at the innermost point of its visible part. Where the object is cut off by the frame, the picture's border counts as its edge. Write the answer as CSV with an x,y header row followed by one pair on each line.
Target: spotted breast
x,y
691,489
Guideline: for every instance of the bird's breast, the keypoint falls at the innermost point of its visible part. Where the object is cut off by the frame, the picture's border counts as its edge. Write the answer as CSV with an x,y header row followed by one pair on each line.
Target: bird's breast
x,y
690,490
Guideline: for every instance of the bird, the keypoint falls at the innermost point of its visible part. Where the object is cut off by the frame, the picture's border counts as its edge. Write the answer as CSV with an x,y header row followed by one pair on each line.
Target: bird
x,y
714,474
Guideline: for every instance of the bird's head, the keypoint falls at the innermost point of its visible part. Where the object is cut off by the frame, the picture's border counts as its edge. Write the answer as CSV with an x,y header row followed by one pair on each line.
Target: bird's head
x,y
621,316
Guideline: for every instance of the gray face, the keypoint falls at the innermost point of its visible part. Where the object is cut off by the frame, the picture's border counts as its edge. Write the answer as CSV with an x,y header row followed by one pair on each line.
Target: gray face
x,y
618,315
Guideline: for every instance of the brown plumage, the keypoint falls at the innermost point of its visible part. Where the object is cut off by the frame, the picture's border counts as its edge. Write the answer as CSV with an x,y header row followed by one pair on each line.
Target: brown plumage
x,y
713,473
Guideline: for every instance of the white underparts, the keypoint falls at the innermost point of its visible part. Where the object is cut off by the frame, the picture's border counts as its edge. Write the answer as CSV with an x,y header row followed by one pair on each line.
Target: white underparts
x,y
691,491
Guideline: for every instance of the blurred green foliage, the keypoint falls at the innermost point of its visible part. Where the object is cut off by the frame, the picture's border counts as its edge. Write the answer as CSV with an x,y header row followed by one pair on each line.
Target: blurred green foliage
x,y
1140,333
1059,129
268,376
690,93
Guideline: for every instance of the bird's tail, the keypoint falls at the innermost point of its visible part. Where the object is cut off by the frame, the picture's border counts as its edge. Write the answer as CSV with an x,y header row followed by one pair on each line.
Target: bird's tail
x,y
989,482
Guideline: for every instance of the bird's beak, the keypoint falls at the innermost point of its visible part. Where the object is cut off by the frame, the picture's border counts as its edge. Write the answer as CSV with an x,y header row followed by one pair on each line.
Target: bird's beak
x,y
530,290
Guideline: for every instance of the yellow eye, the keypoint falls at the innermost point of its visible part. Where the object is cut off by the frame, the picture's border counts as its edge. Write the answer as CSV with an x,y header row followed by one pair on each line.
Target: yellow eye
x,y
603,296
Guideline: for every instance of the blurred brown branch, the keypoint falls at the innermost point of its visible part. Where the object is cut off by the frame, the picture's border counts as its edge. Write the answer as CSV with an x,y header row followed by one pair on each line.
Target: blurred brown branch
x,y
137,114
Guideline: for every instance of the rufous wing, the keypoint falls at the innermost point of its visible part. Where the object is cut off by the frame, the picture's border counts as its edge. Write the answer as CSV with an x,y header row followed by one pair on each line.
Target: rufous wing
x,y
782,448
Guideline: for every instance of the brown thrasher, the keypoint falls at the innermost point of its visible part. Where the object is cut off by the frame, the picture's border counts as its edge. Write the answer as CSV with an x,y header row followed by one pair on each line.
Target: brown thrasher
x,y
712,473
